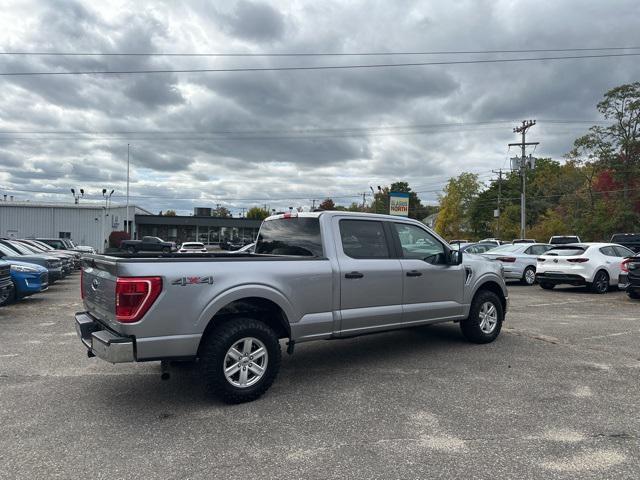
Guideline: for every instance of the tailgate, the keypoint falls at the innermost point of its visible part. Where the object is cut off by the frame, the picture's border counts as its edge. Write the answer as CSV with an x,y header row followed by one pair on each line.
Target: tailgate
x,y
99,286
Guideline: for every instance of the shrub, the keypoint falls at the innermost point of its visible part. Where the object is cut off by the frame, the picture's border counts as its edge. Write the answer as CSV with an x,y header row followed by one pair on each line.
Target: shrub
x,y
116,237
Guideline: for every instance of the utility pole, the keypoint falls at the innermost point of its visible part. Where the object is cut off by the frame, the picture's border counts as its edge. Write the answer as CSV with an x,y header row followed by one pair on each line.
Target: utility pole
x,y
243,209
498,211
127,227
364,201
313,205
522,129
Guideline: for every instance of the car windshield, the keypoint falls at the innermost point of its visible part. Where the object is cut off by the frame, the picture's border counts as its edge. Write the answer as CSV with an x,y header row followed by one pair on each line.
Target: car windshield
x,y
8,251
21,248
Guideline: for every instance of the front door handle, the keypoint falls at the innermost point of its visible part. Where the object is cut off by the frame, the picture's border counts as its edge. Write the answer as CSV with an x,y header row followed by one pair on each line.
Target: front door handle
x,y
354,275
414,273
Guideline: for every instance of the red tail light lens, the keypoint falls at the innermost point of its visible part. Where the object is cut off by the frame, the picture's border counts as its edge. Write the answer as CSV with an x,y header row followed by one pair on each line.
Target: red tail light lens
x,y
577,260
134,297
506,259
624,266
82,283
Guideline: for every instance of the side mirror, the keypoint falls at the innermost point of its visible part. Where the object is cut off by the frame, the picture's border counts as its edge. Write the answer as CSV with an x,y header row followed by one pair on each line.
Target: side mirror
x,y
455,257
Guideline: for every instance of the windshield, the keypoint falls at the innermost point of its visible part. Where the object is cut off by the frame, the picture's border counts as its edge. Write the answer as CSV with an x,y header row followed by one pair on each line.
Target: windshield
x,y
21,248
8,251
299,236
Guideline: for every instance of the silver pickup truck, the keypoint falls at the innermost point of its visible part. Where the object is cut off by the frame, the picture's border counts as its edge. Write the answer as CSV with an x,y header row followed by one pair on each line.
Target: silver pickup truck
x,y
313,276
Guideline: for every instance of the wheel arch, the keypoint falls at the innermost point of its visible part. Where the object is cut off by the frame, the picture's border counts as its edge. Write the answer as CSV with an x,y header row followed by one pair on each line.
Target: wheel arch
x,y
495,287
258,302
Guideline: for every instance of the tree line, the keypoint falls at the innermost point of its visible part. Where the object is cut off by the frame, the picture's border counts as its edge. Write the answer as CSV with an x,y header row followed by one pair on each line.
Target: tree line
x,y
593,193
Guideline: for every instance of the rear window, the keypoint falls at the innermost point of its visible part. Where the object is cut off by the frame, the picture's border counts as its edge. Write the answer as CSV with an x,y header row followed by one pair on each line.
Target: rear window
x,y
564,240
297,236
566,251
625,237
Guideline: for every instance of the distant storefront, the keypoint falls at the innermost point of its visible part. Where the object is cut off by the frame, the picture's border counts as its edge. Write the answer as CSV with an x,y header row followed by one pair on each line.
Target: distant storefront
x,y
205,229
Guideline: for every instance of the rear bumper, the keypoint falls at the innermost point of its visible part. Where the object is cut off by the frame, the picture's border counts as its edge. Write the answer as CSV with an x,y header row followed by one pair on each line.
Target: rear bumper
x,y
627,283
103,343
557,278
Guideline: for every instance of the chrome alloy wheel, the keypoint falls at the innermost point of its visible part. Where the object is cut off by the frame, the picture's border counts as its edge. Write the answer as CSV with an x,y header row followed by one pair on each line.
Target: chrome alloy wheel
x,y
488,317
530,276
245,362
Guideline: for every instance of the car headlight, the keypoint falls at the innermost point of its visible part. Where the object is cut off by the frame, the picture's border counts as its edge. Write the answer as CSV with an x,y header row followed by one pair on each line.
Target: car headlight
x,y
23,268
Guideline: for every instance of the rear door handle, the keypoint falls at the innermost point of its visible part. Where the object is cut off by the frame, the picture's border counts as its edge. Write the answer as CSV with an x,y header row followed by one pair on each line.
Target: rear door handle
x,y
414,273
354,275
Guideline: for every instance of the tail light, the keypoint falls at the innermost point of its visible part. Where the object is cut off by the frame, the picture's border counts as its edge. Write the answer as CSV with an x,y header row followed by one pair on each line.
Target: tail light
x,y
624,266
134,297
577,260
82,283
540,259
506,259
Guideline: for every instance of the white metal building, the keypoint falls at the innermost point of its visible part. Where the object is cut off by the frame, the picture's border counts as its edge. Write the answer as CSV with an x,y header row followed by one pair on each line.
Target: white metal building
x,y
84,223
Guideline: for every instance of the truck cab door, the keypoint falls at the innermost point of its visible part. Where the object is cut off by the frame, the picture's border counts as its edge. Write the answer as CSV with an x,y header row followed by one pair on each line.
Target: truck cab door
x,y
370,276
433,288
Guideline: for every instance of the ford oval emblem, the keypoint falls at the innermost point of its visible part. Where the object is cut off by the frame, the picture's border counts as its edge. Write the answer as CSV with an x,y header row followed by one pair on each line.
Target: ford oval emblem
x,y
95,284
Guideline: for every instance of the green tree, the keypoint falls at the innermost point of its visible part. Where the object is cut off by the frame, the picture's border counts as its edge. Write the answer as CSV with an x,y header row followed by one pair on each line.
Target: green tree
x,y
170,213
222,212
380,202
455,205
327,204
257,213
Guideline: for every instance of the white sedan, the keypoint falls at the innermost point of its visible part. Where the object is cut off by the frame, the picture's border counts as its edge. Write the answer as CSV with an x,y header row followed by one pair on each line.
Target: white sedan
x,y
518,261
192,247
597,266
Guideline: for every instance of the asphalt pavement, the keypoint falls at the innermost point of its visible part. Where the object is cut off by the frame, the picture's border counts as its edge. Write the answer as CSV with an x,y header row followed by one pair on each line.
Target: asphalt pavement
x,y
555,397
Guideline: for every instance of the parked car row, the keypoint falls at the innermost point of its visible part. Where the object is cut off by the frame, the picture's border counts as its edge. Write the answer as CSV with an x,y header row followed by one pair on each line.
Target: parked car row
x,y
30,266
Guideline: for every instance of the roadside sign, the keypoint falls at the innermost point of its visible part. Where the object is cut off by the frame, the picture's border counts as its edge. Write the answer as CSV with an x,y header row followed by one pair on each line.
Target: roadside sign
x,y
399,204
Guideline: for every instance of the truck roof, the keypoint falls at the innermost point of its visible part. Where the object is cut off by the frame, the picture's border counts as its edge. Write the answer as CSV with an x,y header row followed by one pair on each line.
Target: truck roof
x,y
334,213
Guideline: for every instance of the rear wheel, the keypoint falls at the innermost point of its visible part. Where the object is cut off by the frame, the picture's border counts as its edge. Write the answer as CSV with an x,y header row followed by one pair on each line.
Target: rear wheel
x,y
600,283
529,276
485,318
166,250
131,250
547,285
240,360
633,294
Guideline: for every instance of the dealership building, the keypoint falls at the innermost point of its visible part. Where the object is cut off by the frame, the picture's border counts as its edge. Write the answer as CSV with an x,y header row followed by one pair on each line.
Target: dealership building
x,y
91,223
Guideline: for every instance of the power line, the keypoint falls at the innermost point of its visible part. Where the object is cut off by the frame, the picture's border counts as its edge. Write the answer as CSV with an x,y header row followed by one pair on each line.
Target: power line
x,y
308,54
273,134
317,67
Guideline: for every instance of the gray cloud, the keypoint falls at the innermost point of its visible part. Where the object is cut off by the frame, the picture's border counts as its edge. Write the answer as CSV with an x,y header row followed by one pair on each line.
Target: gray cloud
x,y
281,165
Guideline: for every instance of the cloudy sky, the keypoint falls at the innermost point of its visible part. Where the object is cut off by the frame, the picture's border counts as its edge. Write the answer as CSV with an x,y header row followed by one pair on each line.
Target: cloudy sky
x,y
286,137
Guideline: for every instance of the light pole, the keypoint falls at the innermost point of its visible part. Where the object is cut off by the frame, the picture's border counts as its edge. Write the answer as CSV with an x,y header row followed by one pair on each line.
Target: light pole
x,y
107,204
77,196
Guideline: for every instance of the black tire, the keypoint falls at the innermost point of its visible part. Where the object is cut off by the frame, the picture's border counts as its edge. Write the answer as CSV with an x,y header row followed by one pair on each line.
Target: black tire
x,y
600,283
131,250
214,350
471,326
547,285
633,294
528,276
166,250
7,298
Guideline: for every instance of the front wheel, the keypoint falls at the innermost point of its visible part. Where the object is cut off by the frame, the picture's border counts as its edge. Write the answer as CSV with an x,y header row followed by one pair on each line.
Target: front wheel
x,y
240,360
7,297
485,318
529,276
547,285
131,250
600,283
166,250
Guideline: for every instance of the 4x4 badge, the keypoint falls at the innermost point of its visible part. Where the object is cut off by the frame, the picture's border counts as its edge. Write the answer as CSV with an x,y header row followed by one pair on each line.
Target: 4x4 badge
x,y
184,281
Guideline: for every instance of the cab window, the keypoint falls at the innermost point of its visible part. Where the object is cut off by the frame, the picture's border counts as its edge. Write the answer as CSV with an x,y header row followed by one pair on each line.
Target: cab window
x,y
419,244
363,239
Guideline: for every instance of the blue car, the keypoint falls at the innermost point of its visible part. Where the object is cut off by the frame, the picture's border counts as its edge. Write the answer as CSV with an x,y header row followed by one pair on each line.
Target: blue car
x,y
27,278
